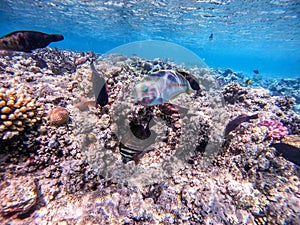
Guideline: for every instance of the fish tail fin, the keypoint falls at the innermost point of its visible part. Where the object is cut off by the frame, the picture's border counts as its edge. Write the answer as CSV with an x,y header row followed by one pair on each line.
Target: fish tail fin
x,y
255,116
102,98
191,80
99,86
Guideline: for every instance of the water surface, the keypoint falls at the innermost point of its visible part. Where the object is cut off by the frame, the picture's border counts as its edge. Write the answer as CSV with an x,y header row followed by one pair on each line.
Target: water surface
x,y
247,35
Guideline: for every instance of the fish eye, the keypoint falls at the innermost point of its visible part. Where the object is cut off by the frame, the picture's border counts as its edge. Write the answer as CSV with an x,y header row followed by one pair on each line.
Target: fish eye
x,y
145,89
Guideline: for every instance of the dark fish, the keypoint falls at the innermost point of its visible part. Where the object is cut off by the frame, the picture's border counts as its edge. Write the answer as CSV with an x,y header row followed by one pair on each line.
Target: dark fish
x,y
136,142
288,152
140,131
99,86
256,71
237,121
26,41
211,37
247,82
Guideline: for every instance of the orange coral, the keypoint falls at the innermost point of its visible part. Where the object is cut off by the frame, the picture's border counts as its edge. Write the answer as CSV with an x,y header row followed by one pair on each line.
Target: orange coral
x,y
59,116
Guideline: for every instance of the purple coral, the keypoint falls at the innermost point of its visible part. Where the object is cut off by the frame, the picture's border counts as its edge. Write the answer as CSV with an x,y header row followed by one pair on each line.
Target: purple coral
x,y
276,129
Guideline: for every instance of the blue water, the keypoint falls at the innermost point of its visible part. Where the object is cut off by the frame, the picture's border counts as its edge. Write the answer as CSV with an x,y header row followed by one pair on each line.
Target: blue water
x,y
247,35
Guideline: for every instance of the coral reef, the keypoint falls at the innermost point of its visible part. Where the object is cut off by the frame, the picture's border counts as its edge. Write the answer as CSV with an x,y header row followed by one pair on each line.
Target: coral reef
x,y
191,174
287,89
234,93
285,103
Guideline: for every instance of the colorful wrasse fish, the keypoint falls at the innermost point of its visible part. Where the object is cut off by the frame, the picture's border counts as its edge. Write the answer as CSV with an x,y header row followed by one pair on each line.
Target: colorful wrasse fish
x,y
161,86
99,86
26,41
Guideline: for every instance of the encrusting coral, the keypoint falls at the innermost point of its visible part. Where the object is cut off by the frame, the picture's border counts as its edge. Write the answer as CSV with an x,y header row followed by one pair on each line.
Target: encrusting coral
x,y
18,110
276,129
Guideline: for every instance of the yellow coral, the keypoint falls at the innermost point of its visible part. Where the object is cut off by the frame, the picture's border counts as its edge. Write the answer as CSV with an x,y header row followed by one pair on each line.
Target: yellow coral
x,y
18,110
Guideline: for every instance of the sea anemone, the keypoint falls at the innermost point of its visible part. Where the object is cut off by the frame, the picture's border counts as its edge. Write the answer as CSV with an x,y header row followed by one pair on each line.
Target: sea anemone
x,y
276,129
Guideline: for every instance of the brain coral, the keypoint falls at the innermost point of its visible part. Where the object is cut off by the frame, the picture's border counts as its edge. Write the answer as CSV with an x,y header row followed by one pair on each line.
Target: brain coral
x,y
18,110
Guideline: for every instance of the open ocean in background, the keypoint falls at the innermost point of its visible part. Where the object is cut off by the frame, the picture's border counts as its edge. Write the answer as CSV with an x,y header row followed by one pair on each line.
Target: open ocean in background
x,y
247,35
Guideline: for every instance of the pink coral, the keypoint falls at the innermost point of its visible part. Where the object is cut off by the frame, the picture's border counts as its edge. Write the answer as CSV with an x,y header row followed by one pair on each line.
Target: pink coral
x,y
276,129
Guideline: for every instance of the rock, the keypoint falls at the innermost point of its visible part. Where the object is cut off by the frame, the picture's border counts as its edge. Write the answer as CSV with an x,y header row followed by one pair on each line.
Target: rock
x,y
104,122
58,116
18,196
293,140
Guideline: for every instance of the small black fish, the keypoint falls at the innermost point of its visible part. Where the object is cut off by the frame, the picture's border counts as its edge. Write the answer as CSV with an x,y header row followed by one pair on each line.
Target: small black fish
x,y
136,142
99,86
26,41
256,71
288,152
211,37
140,131
237,121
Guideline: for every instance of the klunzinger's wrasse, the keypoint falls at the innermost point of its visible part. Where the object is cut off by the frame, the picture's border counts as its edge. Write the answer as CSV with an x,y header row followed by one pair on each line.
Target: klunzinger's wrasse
x,y
163,85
